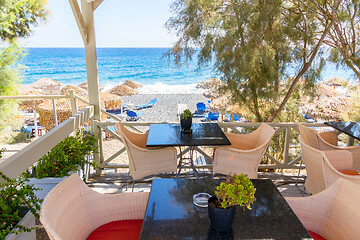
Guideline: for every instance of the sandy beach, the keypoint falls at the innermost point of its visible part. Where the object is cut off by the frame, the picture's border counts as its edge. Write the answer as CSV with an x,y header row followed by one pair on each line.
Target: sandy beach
x,y
165,110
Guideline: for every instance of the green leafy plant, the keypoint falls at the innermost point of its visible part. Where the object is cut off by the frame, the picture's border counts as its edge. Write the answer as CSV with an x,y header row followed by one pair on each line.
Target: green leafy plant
x,y
16,199
236,190
186,114
69,155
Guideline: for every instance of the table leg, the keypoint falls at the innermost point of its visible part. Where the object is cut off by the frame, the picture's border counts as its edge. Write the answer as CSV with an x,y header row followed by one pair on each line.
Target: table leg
x,y
191,162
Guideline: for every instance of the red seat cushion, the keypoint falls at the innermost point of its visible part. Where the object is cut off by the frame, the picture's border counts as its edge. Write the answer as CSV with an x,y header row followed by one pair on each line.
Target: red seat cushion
x,y
124,229
349,172
316,236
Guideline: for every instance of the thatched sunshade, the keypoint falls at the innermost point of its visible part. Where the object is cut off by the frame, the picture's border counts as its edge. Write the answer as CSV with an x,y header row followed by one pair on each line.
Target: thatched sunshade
x,y
122,90
77,90
323,90
211,87
220,104
63,111
84,85
335,81
131,84
327,108
110,101
29,104
39,84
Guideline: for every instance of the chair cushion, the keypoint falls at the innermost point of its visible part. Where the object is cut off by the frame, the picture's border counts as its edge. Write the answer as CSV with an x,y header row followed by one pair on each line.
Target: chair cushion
x,y
316,236
349,172
124,229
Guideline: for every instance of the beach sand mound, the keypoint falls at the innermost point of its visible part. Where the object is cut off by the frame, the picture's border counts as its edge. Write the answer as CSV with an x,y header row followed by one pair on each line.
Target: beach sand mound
x,y
132,84
84,85
122,90
39,84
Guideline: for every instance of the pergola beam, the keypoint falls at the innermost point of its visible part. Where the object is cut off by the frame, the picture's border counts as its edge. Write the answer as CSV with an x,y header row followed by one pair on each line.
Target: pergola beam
x,y
95,4
79,20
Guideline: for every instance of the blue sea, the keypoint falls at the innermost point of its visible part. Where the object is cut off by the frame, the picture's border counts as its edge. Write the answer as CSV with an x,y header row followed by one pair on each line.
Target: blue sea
x,y
147,66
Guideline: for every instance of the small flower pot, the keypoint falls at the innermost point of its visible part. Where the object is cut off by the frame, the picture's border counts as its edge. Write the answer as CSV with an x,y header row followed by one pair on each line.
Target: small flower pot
x,y
220,219
186,124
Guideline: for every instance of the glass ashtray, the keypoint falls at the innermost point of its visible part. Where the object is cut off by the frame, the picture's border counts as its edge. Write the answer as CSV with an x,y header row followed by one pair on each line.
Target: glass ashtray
x,y
201,199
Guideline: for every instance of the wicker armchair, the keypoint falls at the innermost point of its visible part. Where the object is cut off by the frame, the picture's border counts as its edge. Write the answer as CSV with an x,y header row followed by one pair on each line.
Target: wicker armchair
x,y
145,161
72,210
323,168
333,213
245,153
328,141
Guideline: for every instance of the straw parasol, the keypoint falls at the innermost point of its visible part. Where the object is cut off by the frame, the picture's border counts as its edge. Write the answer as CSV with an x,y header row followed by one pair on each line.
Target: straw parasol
x,y
337,82
77,90
220,103
39,84
110,101
210,83
63,111
29,104
327,108
122,90
84,85
131,84
323,90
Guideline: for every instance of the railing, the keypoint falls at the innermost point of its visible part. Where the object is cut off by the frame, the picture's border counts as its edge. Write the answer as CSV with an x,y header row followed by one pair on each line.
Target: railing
x,y
22,160
290,157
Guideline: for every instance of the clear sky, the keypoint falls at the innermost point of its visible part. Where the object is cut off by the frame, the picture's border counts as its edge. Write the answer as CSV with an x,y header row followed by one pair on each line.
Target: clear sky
x,y
118,23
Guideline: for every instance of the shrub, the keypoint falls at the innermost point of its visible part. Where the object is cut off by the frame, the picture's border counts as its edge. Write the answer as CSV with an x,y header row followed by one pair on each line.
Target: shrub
x,y
16,199
236,190
69,155
186,114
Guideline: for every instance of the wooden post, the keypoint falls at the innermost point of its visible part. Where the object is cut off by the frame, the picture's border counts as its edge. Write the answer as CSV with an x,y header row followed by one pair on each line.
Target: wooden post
x,y
92,71
72,102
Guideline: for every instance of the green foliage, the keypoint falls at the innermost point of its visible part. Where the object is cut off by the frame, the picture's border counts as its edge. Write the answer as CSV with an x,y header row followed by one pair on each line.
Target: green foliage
x,y
236,190
10,77
68,155
254,44
186,114
16,199
18,16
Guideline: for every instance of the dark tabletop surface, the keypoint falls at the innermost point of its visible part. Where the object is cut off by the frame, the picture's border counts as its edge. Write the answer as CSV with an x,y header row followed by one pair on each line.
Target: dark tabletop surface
x,y
171,214
203,134
350,128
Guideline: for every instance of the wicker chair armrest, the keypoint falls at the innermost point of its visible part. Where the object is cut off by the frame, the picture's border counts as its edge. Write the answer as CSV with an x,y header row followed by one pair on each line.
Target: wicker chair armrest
x,y
330,137
312,211
340,159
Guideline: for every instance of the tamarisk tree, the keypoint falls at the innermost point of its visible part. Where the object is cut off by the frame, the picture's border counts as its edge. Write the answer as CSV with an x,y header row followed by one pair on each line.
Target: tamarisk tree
x,y
17,17
255,45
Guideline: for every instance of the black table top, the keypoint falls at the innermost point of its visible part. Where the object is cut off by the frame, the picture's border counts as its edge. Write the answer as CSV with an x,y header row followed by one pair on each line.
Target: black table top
x,y
350,128
203,134
171,214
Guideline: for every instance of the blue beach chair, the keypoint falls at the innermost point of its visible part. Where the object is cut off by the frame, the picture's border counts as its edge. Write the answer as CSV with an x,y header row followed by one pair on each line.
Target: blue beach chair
x,y
147,105
200,106
230,117
212,116
132,116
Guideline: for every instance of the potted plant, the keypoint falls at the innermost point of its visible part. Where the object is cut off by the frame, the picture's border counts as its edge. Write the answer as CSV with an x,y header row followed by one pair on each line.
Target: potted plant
x,y
70,155
236,190
18,208
186,121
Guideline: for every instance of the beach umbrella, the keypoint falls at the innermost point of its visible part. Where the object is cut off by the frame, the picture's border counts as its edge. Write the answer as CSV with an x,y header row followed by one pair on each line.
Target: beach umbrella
x,y
337,82
39,84
63,111
122,90
84,85
29,104
131,84
210,83
110,101
77,90
220,104
327,108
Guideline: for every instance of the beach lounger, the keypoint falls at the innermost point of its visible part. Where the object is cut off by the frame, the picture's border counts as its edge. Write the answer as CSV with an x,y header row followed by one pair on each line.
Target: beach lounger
x,y
212,116
149,104
132,116
231,117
